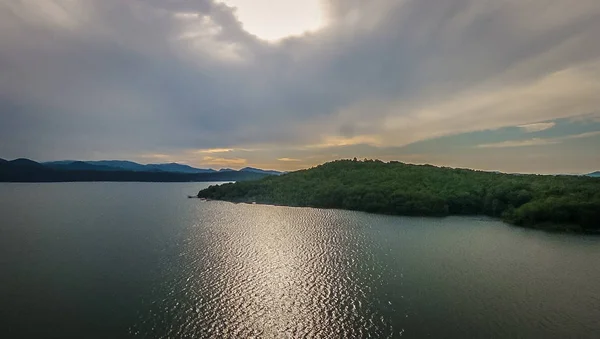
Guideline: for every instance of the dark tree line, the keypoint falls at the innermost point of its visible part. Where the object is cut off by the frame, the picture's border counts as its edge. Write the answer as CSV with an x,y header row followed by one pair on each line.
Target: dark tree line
x,y
550,202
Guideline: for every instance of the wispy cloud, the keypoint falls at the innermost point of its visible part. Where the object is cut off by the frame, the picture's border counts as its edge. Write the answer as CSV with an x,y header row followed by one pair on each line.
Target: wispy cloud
x,y
288,159
156,156
538,141
214,150
520,143
336,141
224,162
537,127
582,135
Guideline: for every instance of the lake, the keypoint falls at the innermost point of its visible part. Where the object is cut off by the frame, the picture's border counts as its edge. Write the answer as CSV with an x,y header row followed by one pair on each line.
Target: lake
x,y
140,260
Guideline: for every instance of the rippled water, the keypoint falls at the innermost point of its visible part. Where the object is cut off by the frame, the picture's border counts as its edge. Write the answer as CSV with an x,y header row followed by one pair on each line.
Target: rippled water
x,y
111,260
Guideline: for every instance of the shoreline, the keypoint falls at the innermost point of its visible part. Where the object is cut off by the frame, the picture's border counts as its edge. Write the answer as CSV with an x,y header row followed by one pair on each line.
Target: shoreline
x,y
545,227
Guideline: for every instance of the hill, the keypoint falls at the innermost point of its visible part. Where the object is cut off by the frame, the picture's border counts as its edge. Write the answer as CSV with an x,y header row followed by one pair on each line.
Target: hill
x,y
123,165
111,165
25,170
179,168
78,166
120,164
258,170
23,163
549,202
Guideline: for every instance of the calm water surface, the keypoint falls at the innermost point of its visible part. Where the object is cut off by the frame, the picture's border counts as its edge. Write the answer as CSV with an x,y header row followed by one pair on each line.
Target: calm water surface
x,y
119,260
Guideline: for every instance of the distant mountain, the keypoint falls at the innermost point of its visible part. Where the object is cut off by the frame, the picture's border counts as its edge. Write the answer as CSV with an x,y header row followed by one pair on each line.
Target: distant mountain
x,y
3,160
78,166
175,167
25,170
96,165
25,163
594,174
60,162
258,170
120,165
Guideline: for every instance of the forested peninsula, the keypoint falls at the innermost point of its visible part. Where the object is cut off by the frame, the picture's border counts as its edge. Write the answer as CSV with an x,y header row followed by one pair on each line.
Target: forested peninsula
x,y
557,203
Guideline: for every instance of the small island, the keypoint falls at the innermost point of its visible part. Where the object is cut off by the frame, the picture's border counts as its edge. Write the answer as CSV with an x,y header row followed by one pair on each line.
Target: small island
x,y
549,202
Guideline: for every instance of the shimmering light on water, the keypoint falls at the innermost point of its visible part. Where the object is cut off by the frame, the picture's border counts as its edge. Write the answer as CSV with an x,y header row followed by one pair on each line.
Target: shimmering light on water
x,y
100,260
270,272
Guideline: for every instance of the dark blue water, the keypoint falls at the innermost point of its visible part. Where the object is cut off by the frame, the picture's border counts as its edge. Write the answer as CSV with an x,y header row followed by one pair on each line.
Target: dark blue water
x,y
118,260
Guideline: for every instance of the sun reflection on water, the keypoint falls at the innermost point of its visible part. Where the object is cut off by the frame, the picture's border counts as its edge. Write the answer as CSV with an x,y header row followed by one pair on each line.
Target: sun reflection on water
x,y
264,271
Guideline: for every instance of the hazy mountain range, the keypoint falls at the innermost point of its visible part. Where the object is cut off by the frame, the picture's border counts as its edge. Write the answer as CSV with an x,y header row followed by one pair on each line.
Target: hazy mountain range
x,y
26,170
112,165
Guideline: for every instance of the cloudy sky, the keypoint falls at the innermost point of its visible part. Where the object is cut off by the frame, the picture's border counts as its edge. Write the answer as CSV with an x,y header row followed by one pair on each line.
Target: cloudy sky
x,y
507,85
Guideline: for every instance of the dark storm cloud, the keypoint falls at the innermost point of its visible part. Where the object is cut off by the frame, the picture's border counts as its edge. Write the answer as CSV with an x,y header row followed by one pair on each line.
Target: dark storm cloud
x,y
92,78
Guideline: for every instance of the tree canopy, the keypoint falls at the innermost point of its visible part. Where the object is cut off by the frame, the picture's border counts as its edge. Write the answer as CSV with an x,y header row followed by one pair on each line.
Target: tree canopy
x,y
542,201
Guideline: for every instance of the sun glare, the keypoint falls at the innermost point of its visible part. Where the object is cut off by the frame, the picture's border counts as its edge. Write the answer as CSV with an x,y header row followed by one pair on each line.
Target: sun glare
x,y
274,20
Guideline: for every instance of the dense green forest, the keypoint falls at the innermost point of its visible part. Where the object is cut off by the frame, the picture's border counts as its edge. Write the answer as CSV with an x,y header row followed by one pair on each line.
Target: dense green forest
x,y
541,201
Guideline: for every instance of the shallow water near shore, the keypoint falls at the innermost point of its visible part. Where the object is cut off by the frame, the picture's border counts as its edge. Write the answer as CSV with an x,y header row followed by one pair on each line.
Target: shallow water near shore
x,y
121,260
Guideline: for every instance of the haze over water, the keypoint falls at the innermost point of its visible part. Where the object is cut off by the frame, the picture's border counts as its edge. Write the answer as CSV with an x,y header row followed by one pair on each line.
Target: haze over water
x,y
98,260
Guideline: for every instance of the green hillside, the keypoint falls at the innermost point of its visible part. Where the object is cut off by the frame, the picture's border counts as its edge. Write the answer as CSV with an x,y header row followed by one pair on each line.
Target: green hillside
x,y
541,201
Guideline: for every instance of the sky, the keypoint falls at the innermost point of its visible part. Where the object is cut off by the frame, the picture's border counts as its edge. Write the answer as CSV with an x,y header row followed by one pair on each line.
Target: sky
x,y
510,86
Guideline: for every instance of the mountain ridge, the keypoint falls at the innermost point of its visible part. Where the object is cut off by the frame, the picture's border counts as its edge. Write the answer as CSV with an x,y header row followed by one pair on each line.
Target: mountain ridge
x,y
172,167
182,168
594,174
26,170
258,170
